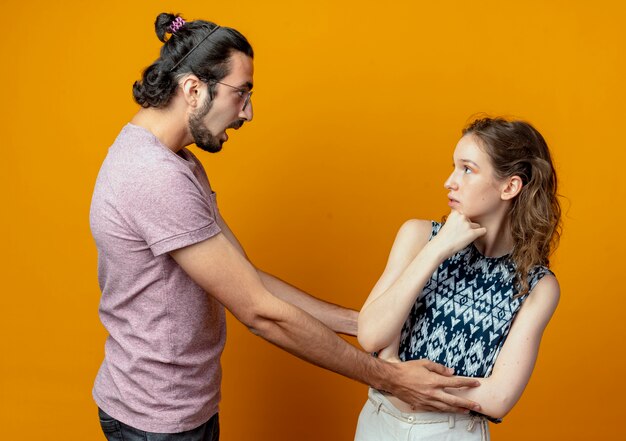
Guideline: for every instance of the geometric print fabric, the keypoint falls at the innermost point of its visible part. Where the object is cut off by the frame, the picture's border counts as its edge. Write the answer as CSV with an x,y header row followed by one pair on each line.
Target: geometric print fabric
x,y
464,312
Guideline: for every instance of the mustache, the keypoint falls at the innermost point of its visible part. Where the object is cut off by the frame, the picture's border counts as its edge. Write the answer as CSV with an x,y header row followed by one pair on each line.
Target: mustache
x,y
236,125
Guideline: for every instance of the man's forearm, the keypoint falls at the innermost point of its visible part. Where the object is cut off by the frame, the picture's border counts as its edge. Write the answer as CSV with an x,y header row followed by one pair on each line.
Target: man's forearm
x,y
418,382
302,335
336,317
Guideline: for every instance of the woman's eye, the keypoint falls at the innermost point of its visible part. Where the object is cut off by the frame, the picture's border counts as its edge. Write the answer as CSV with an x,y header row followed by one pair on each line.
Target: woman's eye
x,y
467,170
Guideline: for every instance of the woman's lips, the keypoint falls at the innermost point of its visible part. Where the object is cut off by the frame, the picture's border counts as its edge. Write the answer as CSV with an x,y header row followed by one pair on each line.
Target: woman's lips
x,y
452,201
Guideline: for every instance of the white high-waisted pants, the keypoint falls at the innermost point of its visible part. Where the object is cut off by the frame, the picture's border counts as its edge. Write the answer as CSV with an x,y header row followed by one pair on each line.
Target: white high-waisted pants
x,y
382,421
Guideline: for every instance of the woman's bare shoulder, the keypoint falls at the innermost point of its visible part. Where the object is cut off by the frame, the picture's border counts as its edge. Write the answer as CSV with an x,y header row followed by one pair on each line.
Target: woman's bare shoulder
x,y
413,235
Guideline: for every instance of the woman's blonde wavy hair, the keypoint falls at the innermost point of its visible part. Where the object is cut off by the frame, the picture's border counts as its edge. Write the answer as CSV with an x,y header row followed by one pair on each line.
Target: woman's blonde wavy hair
x,y
516,148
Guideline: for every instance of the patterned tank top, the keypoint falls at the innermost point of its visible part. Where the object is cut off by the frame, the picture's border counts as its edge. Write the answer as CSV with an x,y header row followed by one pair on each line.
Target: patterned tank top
x,y
465,311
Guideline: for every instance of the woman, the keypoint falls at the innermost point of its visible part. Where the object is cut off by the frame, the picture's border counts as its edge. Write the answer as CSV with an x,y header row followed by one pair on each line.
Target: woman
x,y
474,293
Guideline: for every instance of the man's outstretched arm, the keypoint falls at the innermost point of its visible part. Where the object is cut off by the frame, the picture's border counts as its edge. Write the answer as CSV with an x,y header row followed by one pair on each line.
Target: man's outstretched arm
x,y
224,273
336,317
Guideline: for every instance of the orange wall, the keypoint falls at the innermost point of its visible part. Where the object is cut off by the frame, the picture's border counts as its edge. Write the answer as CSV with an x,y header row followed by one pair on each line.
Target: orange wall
x,y
357,106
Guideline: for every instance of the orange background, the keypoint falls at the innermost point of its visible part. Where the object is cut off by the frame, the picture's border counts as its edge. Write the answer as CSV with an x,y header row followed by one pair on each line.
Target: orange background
x,y
357,106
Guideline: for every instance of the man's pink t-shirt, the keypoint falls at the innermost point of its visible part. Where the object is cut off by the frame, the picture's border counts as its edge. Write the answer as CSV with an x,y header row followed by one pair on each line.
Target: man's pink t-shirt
x,y
161,370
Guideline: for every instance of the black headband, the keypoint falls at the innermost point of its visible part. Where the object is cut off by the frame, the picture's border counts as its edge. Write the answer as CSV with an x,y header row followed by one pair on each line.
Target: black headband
x,y
195,47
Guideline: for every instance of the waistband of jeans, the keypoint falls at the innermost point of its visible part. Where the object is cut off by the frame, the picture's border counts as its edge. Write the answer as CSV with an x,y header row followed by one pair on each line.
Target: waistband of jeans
x,y
382,403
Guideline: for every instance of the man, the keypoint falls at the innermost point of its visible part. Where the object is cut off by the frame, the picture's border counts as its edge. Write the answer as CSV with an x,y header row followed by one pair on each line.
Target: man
x,y
168,263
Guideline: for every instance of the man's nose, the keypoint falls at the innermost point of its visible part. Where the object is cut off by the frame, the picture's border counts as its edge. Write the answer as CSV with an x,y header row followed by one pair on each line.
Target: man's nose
x,y
247,113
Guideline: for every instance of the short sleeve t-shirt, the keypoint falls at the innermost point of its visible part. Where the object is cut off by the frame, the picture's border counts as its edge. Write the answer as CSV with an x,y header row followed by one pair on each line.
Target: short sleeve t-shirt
x,y
161,370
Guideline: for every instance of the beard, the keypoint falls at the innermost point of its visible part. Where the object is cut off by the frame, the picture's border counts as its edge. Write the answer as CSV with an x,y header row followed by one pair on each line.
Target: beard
x,y
202,136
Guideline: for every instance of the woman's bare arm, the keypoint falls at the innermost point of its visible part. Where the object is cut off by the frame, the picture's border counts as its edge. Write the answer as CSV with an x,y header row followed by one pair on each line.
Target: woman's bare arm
x,y
412,261
498,393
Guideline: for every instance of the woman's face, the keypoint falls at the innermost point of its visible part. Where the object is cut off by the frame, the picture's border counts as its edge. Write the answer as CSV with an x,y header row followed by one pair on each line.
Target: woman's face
x,y
473,188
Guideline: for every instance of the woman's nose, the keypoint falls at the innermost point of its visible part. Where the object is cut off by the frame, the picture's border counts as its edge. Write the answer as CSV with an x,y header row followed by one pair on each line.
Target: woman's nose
x,y
450,183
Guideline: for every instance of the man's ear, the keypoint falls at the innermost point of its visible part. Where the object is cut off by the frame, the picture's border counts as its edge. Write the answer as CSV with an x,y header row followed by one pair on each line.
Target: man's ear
x,y
512,187
190,86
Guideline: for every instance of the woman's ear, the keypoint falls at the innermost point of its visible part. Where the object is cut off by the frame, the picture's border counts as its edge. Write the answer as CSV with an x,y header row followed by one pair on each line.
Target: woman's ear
x,y
512,187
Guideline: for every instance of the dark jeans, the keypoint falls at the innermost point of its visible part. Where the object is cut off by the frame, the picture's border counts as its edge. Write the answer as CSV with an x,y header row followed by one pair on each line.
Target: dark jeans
x,y
115,430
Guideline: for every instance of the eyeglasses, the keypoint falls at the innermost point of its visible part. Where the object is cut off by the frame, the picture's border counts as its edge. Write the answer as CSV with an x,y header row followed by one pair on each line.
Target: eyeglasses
x,y
241,92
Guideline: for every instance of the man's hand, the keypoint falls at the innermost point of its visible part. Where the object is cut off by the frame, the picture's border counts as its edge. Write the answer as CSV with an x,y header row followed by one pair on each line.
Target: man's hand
x,y
422,384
